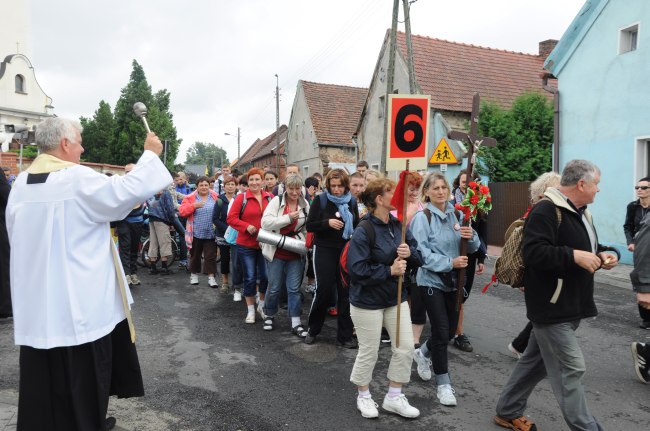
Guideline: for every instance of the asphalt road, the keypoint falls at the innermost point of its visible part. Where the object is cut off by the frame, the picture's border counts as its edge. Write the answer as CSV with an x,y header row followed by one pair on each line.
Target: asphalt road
x,y
204,369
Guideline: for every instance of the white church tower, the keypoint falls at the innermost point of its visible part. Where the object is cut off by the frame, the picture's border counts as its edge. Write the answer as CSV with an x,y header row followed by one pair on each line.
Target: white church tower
x,y
23,103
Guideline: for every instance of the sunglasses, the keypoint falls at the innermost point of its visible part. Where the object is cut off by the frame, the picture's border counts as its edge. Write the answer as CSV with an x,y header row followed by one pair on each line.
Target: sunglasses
x,y
641,187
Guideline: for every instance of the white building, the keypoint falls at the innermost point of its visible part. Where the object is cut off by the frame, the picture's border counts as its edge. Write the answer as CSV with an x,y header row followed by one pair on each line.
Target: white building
x,y
23,103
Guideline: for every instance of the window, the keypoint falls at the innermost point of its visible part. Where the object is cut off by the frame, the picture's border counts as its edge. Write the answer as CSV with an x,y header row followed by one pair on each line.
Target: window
x,y
382,106
305,171
20,84
642,158
375,166
627,39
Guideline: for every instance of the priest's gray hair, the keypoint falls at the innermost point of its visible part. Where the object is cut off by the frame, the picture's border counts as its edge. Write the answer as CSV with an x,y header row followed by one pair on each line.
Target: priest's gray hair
x,y
50,131
293,181
576,170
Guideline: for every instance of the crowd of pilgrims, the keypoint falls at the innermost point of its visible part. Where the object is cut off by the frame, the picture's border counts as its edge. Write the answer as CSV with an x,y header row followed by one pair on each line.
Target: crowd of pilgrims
x,y
224,215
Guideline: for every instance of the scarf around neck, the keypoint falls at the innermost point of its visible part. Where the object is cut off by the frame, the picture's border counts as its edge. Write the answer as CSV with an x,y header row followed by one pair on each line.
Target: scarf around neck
x,y
343,205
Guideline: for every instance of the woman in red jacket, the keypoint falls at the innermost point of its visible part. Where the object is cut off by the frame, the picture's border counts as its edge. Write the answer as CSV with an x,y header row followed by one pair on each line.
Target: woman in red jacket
x,y
245,216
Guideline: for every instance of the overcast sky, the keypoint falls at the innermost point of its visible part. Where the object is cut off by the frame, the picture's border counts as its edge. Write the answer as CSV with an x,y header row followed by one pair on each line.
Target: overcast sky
x,y
218,58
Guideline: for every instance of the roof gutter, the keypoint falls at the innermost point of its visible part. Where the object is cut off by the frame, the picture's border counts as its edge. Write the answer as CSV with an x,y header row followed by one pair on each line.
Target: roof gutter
x,y
556,118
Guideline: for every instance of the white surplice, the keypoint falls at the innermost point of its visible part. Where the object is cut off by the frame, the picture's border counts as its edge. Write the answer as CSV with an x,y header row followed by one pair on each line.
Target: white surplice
x,y
63,280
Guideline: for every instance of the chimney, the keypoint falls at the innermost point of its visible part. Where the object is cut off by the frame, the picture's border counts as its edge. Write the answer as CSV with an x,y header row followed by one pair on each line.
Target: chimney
x,y
545,47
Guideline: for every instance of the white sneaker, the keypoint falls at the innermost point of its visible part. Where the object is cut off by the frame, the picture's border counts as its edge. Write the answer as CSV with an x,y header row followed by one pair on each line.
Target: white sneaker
x,y
514,351
128,280
194,279
236,296
250,318
135,280
367,407
446,395
260,310
423,365
212,282
401,406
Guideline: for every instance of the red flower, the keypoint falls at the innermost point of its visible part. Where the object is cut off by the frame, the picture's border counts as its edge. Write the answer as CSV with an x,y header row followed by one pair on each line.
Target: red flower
x,y
484,190
474,200
473,185
488,199
459,207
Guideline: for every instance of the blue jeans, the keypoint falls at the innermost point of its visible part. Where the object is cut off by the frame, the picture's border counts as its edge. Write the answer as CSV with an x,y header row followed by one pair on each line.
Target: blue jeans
x,y
253,266
283,272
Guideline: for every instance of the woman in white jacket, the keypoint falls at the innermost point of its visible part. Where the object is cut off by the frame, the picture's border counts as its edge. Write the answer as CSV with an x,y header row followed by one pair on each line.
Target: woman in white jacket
x,y
287,215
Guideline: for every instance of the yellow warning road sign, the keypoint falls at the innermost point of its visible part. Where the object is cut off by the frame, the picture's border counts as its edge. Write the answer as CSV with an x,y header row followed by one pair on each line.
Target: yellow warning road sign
x,y
443,155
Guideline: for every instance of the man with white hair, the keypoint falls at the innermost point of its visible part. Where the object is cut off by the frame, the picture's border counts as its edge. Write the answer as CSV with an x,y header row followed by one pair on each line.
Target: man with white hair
x,y
70,298
561,253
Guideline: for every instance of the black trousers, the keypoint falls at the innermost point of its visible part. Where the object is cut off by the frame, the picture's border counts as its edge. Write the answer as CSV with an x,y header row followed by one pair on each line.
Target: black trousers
x,y
328,282
128,235
441,309
644,314
224,251
67,388
521,341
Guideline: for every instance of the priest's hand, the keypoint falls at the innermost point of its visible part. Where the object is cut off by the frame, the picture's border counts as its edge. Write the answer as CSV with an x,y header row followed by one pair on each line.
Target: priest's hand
x,y
152,143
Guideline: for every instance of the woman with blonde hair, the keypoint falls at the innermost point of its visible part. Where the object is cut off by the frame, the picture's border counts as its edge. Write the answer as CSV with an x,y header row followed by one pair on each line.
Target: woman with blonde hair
x,y
537,189
376,259
286,215
438,231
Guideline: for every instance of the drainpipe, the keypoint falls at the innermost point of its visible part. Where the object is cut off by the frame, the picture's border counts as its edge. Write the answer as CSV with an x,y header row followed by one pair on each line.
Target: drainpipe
x,y
556,119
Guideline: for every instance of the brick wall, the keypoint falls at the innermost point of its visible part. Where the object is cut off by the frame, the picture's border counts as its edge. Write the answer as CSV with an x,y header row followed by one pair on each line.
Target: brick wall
x,y
9,162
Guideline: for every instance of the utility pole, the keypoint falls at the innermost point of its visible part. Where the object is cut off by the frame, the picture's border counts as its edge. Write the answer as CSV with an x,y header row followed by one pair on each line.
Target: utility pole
x,y
277,123
409,47
165,156
238,146
390,79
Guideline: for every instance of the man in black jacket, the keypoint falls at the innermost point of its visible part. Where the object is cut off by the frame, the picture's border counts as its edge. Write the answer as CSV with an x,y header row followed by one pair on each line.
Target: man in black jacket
x,y
561,253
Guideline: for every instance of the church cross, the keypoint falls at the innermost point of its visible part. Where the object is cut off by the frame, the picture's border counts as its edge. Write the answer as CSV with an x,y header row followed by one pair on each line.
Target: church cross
x,y
474,142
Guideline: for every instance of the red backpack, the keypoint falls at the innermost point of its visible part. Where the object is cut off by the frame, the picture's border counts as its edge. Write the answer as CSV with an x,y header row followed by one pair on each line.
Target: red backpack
x,y
343,260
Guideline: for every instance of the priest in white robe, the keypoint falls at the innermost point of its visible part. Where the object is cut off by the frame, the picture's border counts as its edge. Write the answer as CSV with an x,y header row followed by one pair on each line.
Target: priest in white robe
x,y
71,302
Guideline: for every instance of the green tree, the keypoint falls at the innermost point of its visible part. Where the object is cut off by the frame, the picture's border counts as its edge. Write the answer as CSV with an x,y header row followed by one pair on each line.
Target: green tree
x,y
525,137
98,135
206,153
129,130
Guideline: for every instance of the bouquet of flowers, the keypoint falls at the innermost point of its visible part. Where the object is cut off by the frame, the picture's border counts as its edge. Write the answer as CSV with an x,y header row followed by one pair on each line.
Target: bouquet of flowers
x,y
477,198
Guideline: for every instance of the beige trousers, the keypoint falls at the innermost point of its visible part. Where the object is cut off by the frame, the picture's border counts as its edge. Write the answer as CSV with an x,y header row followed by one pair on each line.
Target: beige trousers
x,y
368,325
159,238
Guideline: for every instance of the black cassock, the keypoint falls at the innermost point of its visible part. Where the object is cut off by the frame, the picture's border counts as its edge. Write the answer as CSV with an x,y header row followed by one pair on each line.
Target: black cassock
x,y
5,292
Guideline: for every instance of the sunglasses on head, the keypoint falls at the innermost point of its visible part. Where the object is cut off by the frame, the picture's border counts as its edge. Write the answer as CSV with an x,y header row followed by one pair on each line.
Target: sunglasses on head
x,y
641,187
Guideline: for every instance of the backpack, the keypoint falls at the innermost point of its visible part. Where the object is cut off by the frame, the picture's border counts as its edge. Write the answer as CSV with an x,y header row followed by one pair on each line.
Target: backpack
x,y
366,225
245,201
509,268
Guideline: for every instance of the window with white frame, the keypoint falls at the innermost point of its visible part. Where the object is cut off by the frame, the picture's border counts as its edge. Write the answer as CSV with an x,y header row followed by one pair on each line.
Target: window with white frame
x,y
20,84
642,158
628,38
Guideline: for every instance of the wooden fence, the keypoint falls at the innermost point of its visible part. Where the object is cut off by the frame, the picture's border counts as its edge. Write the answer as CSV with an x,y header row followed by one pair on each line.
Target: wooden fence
x,y
509,202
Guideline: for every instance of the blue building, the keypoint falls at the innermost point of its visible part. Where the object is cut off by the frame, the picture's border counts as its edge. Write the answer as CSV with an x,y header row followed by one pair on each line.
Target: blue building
x,y
602,64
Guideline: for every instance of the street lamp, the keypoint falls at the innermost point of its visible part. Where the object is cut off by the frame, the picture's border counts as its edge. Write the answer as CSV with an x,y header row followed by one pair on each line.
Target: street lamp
x,y
238,140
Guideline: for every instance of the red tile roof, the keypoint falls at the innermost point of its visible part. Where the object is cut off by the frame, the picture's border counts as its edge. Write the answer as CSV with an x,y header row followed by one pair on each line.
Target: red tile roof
x,y
334,110
262,147
452,72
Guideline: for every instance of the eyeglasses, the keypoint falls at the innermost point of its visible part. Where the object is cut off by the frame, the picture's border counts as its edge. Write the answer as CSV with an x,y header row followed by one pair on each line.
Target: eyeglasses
x,y
641,187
